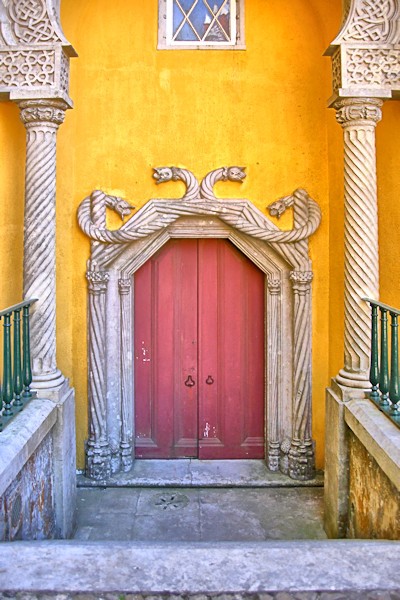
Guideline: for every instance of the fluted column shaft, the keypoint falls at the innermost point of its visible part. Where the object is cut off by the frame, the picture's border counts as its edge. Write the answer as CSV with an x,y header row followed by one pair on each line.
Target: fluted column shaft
x,y
41,119
359,117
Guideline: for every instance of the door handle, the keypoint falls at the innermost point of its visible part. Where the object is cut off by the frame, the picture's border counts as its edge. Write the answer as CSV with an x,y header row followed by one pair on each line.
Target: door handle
x,y
189,381
209,380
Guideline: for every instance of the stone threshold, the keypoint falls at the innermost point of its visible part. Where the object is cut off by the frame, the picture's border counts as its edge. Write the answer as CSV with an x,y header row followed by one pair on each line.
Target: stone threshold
x,y
190,472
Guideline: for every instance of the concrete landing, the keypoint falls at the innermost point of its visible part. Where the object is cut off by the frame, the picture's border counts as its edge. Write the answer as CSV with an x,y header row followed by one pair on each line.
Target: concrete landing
x,y
200,473
199,514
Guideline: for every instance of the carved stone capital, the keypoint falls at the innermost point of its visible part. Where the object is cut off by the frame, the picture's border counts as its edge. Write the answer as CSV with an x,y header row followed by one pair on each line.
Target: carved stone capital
x,y
42,112
274,285
301,281
97,282
358,111
124,286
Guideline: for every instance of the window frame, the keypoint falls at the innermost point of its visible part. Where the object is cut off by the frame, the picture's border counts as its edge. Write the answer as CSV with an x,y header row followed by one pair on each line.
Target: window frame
x,y
165,23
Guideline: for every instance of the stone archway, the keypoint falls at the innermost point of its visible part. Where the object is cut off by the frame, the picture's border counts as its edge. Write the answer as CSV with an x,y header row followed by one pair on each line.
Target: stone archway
x,y
281,255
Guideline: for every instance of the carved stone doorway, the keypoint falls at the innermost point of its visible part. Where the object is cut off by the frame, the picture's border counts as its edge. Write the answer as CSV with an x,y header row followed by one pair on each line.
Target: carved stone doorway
x,y
283,258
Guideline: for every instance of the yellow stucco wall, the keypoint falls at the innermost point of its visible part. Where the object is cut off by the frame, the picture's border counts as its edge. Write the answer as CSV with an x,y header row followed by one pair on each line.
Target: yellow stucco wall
x,y
136,108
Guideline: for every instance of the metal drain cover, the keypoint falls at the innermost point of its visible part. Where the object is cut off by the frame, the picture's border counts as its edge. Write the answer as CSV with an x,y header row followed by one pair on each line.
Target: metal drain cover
x,y
171,501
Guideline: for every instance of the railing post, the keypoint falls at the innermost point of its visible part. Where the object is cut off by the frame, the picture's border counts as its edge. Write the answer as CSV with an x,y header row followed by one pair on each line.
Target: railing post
x,y
374,369
384,370
26,361
18,385
8,391
394,364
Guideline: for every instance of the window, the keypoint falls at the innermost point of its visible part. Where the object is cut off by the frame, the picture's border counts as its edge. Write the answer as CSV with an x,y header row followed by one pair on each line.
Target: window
x,y
188,24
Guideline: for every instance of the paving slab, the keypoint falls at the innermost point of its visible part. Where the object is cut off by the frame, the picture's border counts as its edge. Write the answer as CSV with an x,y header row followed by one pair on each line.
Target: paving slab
x,y
199,514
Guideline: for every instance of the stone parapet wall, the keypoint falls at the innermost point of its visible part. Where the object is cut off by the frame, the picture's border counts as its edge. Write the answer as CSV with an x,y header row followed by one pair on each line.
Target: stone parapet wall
x,y
362,470
27,510
37,471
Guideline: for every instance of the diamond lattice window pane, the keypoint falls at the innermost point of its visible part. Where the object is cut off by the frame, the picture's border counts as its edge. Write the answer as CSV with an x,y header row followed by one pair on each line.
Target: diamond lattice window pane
x,y
202,21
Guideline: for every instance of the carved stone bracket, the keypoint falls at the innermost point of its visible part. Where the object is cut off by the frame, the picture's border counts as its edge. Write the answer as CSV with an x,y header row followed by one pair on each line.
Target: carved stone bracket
x,y
199,214
366,53
34,53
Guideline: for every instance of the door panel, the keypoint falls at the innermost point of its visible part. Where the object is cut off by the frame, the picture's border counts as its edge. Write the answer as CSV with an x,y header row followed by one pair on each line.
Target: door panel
x,y
199,318
231,350
165,346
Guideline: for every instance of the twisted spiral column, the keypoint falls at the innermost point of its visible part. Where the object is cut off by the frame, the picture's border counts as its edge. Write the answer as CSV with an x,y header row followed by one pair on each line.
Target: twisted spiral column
x,y
41,119
358,118
98,454
301,454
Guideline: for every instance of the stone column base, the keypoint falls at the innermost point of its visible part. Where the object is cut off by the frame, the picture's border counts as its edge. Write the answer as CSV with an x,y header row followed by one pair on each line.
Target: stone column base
x,y
301,460
98,460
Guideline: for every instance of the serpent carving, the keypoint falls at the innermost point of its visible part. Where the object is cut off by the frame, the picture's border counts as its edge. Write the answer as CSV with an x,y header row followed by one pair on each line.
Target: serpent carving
x,y
162,174
307,216
91,212
222,174
92,216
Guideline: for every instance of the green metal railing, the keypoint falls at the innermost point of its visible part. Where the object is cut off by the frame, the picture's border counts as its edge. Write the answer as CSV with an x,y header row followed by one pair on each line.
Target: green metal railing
x,y
385,392
15,387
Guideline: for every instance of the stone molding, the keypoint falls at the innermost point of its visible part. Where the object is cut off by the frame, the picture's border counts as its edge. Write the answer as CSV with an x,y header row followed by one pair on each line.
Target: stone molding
x,y
366,53
118,254
34,53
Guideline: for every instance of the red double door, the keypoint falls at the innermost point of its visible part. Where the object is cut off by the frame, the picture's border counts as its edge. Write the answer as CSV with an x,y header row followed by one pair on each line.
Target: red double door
x,y
199,353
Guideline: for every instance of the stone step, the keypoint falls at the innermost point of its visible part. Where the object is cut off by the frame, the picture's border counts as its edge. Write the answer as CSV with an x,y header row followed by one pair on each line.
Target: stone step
x,y
333,569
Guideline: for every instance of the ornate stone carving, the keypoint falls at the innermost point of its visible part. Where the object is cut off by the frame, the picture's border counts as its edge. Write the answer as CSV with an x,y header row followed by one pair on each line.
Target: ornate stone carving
x,y
43,113
34,53
123,251
27,68
98,456
125,286
366,54
301,455
30,22
307,218
224,174
373,68
163,174
358,118
369,21
41,120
